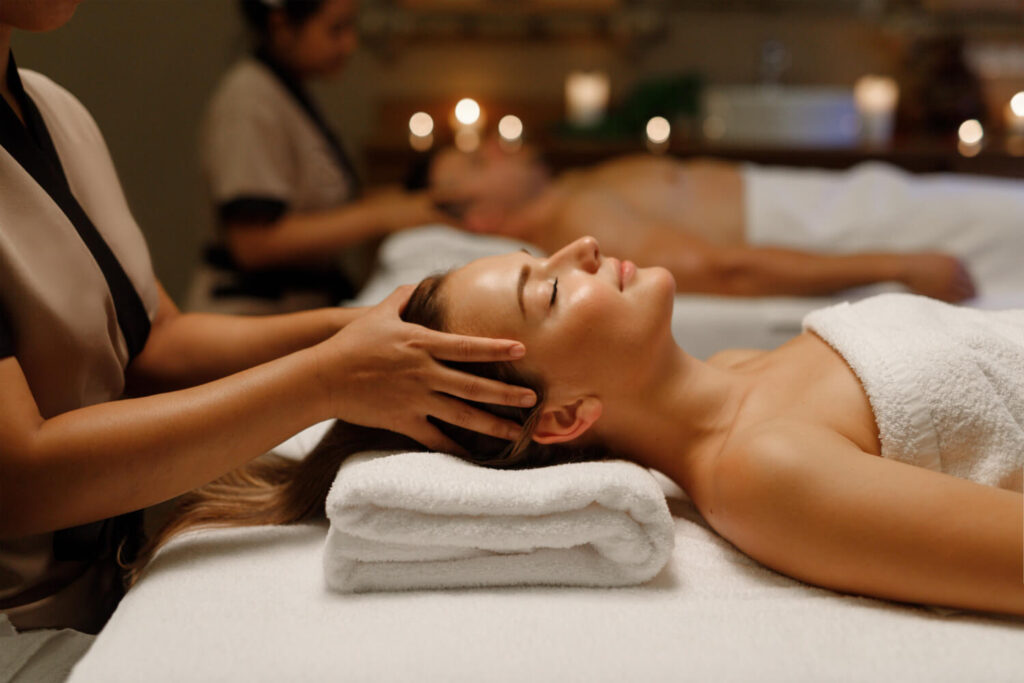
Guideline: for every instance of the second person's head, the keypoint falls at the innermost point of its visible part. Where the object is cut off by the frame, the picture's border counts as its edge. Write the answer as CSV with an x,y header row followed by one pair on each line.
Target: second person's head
x,y
308,37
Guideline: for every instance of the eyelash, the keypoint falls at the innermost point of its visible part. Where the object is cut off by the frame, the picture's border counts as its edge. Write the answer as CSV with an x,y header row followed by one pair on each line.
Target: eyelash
x,y
554,293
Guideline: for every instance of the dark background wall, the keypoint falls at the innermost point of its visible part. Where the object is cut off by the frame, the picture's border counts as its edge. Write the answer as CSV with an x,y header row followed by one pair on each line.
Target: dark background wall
x,y
146,67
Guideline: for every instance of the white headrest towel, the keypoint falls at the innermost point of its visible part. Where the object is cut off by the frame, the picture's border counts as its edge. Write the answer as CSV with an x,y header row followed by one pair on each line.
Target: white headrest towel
x,y
402,521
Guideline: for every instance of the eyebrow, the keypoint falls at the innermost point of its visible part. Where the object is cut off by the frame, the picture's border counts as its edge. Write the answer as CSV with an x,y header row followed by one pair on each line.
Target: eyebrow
x,y
524,274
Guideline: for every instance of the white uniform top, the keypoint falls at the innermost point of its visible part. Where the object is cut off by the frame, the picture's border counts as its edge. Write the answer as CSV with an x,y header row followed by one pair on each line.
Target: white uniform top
x,y
266,151
77,295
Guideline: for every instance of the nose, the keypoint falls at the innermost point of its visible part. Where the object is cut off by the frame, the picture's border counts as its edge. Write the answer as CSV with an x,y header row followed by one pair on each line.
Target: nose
x,y
584,253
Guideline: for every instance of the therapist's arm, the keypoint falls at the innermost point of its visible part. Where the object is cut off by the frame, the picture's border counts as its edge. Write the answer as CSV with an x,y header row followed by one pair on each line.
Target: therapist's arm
x,y
110,458
308,237
185,349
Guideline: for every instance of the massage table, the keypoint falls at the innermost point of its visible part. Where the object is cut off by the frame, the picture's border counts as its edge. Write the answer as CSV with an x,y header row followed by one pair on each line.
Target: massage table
x,y
251,605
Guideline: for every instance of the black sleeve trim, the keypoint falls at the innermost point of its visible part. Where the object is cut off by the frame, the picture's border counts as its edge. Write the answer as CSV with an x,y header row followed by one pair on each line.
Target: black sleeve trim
x,y
260,211
6,336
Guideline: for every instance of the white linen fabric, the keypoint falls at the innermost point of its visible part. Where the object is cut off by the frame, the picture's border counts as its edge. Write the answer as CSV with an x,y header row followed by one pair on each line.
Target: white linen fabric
x,y
430,520
251,605
946,384
875,206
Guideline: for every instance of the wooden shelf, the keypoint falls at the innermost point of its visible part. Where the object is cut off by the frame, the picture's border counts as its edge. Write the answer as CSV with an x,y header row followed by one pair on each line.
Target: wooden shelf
x,y
388,159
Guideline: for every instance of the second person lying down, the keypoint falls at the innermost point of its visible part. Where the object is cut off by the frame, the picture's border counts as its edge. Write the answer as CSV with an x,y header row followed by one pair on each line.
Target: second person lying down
x,y
689,217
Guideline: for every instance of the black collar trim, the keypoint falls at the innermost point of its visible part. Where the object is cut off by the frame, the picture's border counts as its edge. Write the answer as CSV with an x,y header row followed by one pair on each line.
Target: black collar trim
x,y
31,145
294,86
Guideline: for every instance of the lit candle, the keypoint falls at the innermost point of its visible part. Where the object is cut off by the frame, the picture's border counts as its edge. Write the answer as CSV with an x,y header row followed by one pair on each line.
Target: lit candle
x,y
510,132
467,112
658,131
421,131
467,121
586,97
971,132
875,98
421,124
1015,115
970,135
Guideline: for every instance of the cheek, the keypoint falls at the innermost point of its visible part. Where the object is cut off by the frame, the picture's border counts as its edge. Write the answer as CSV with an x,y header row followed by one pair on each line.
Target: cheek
x,y
580,337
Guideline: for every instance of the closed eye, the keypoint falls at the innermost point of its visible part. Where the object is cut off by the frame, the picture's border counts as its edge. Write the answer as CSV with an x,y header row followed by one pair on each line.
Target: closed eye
x,y
554,293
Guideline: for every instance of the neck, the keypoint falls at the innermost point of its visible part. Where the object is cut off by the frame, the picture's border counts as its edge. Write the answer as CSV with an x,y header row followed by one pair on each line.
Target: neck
x,y
678,419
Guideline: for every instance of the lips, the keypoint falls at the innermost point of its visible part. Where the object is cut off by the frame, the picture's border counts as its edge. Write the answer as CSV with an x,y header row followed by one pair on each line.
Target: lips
x,y
627,271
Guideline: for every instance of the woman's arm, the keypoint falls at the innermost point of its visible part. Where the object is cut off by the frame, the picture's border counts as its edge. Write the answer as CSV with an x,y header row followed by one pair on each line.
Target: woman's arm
x,y
110,458
807,502
299,238
185,349
114,457
759,271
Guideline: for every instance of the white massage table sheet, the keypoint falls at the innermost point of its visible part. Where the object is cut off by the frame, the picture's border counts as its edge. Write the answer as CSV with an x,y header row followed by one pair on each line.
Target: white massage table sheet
x,y
251,605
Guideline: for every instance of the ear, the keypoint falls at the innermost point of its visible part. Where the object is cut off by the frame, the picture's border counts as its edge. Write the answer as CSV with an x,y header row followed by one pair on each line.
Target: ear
x,y
567,422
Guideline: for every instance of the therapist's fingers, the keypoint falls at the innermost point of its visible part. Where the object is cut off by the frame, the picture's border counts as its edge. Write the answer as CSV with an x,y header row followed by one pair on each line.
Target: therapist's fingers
x,y
480,389
461,414
465,349
395,301
433,439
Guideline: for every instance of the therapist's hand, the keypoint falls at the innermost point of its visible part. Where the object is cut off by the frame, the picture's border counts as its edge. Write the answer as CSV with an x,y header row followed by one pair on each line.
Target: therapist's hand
x,y
396,209
383,372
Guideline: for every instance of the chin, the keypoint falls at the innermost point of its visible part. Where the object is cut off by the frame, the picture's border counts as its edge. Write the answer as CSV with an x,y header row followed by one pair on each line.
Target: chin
x,y
660,281
659,292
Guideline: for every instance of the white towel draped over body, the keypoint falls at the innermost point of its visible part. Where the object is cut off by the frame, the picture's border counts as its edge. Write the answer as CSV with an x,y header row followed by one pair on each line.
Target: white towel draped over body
x,y
429,520
875,206
946,384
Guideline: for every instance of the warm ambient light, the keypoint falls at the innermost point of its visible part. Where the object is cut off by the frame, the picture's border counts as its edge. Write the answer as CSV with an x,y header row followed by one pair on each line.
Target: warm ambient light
x,y
1017,104
875,98
658,130
1014,119
510,128
421,124
586,97
467,111
971,132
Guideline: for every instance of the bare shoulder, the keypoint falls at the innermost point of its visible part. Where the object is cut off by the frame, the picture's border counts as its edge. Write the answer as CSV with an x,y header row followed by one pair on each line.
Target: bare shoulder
x,y
769,463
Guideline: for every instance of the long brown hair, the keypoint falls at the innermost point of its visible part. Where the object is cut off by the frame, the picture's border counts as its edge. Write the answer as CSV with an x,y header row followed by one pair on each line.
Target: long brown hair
x,y
276,490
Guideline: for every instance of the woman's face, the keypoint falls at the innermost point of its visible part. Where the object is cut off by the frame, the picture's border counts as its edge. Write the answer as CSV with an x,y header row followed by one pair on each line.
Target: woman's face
x,y
36,15
592,325
489,176
322,44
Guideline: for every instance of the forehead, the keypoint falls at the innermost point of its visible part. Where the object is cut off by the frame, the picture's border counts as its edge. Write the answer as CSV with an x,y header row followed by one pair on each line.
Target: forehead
x,y
481,296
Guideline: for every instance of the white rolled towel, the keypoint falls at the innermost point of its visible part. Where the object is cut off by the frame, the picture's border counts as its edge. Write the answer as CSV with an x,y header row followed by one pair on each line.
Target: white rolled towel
x,y
403,521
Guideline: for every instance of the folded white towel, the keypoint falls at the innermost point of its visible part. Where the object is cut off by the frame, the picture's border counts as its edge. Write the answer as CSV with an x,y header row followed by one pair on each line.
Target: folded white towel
x,y
429,520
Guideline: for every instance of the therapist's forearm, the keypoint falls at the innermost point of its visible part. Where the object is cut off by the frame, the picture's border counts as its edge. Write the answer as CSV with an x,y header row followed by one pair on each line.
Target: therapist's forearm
x,y
302,238
191,348
106,459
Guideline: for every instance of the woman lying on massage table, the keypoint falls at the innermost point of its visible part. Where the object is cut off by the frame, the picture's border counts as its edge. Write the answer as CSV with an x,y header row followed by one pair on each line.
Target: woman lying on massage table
x,y
830,459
